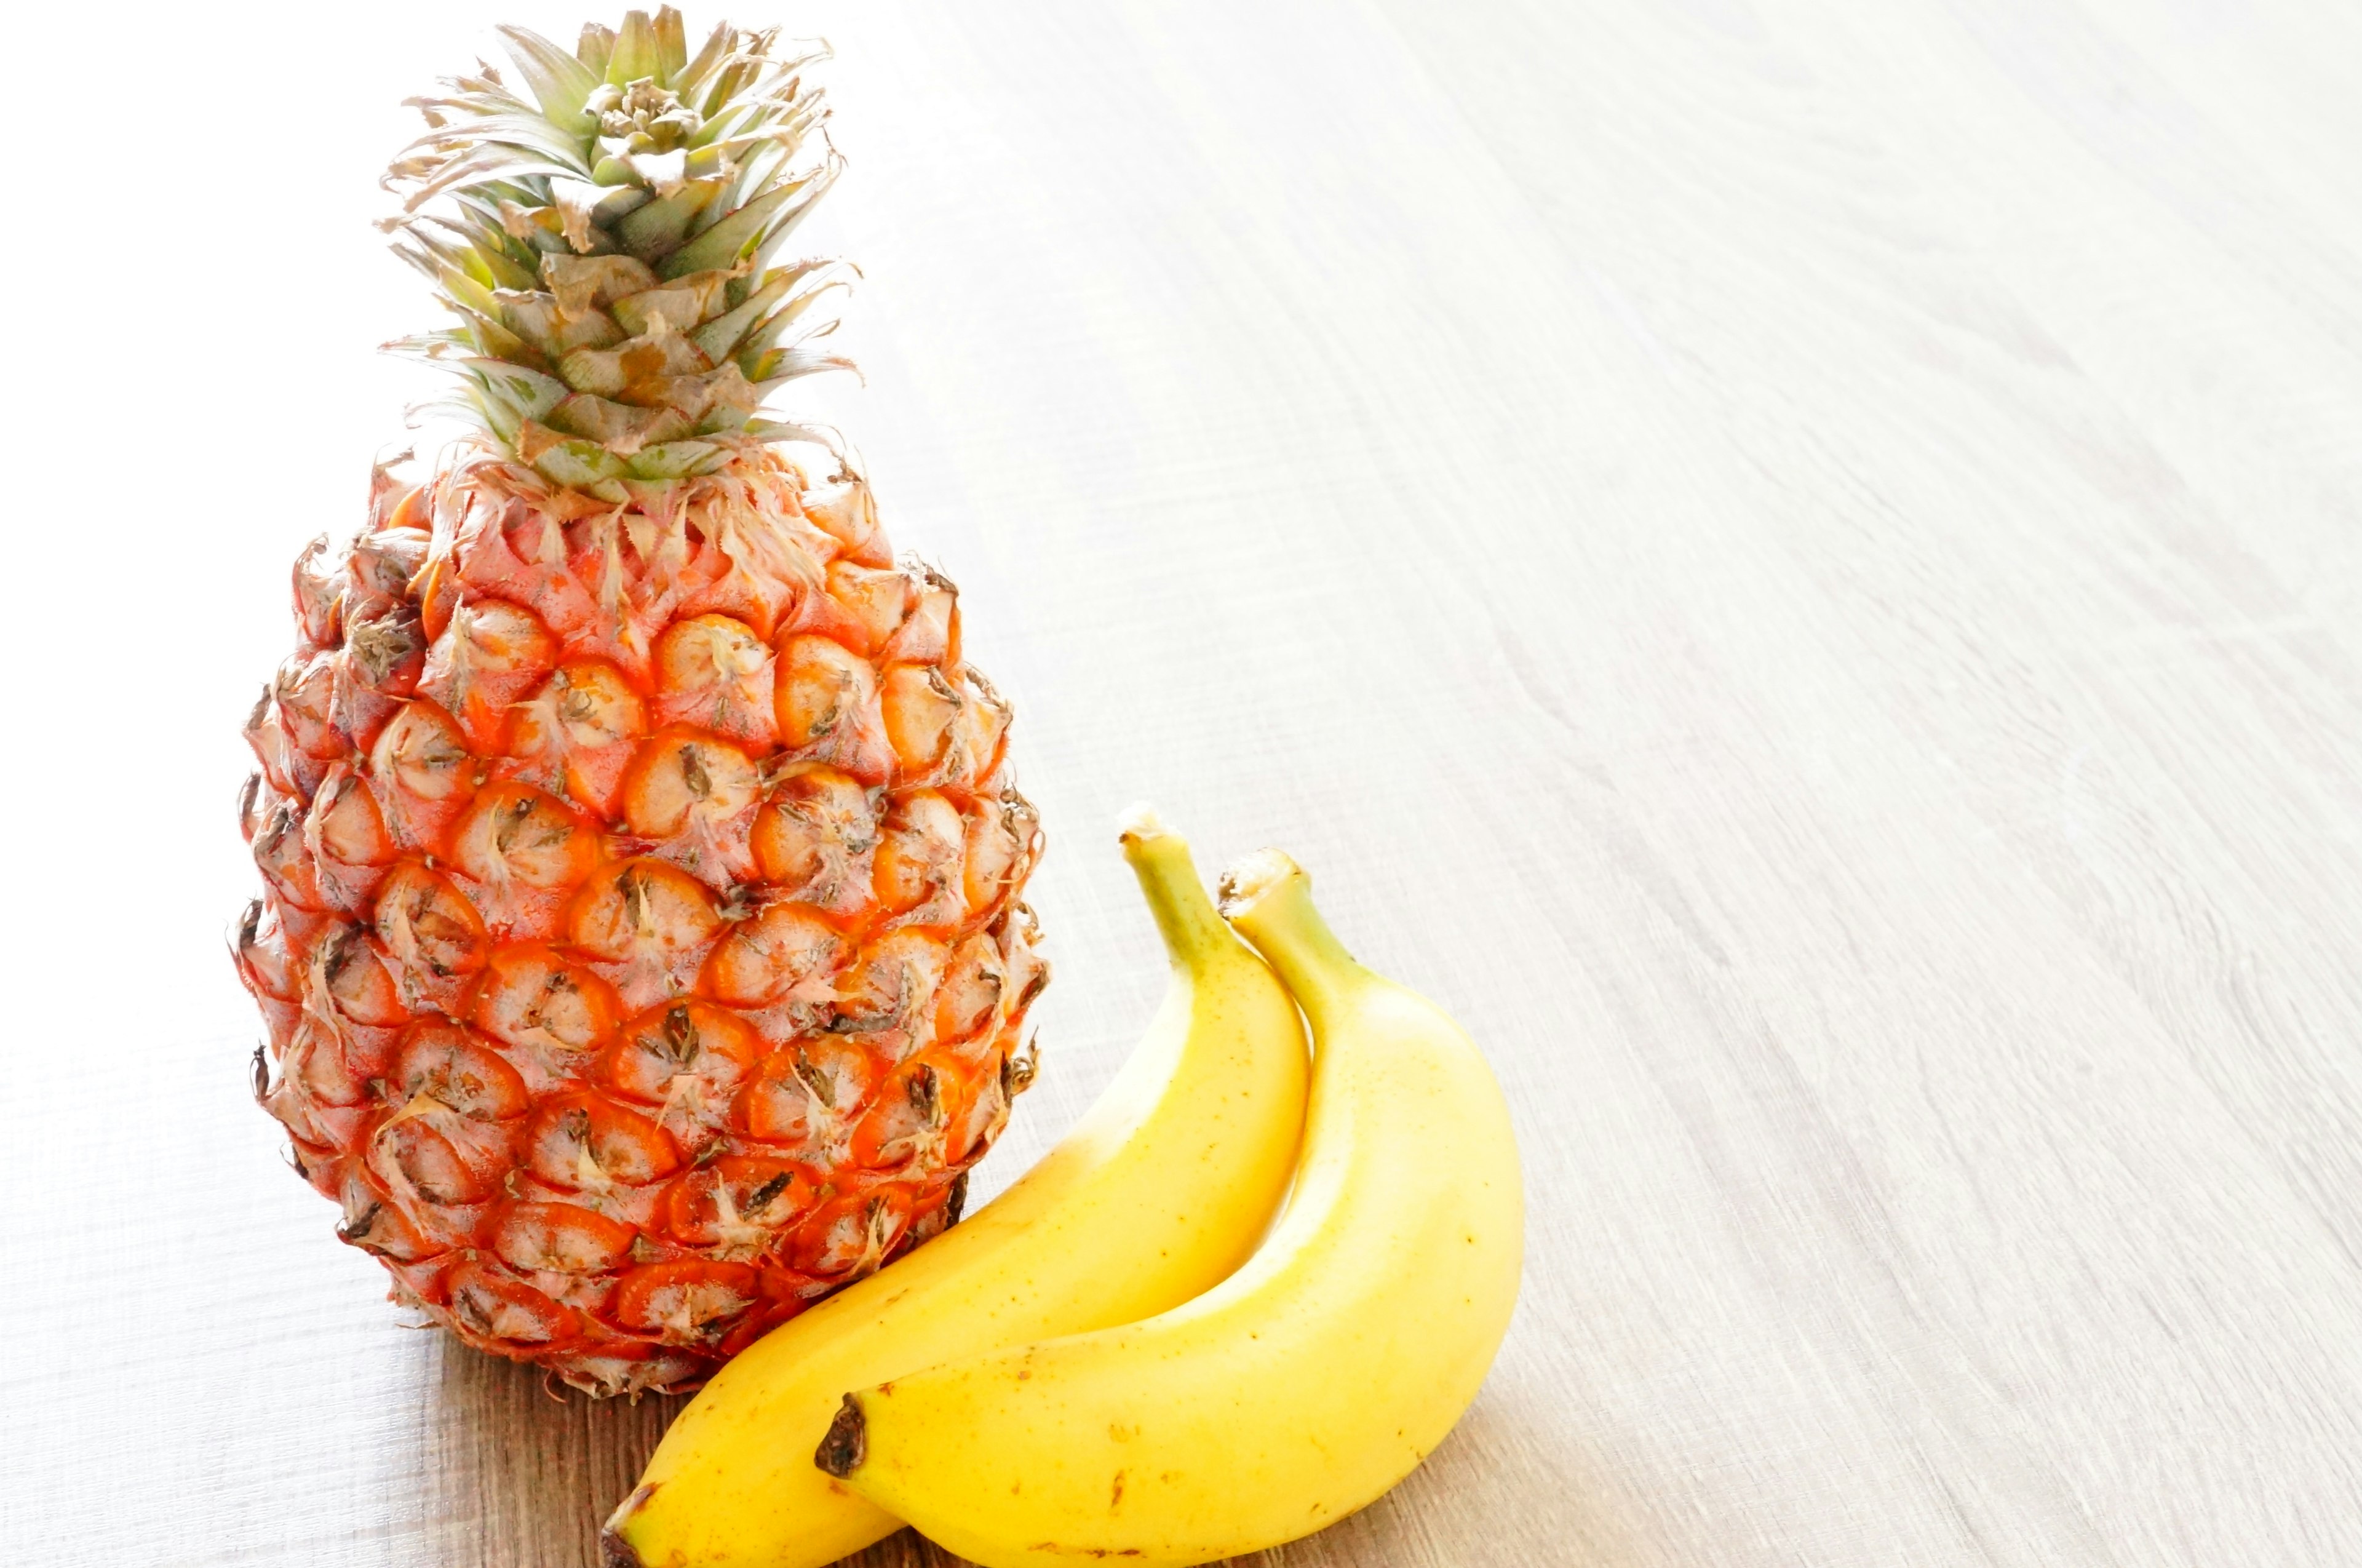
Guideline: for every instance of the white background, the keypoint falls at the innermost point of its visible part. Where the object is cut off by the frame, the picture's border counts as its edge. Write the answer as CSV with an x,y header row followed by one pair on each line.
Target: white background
x,y
1796,564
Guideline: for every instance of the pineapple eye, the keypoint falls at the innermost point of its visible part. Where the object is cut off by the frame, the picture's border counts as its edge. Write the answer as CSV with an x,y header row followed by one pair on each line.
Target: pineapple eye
x,y
715,673
999,836
420,753
432,936
680,781
285,861
922,854
849,1238
645,928
595,706
968,1003
357,981
530,996
493,638
375,1226
688,1058
303,692
646,905
442,1064
782,950
384,645
906,1127
516,834
883,991
504,1312
736,1208
583,1142
814,839
876,599
821,684
560,1238
685,1303
347,823
807,1094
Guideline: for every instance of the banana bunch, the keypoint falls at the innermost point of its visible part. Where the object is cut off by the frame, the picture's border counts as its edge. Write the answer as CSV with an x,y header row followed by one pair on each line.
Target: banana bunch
x,y
1113,1360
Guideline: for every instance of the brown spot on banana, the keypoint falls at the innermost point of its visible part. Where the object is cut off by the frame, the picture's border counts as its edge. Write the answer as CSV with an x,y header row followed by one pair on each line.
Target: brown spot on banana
x,y
847,1443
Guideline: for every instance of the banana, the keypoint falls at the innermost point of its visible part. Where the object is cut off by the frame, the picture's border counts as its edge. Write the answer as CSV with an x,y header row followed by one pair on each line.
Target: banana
x,y
1300,1389
1162,1190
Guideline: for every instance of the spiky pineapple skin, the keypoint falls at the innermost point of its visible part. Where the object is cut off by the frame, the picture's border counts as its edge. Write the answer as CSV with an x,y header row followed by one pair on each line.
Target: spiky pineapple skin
x,y
642,952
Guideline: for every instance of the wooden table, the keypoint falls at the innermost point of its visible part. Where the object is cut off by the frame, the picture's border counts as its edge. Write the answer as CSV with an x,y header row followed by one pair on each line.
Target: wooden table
x,y
1796,564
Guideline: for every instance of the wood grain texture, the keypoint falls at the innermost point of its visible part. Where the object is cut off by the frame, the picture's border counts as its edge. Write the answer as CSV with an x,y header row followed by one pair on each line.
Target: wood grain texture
x,y
1796,564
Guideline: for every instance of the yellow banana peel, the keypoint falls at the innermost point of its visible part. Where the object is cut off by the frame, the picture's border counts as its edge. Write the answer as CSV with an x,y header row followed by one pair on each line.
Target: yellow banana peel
x,y
1294,1392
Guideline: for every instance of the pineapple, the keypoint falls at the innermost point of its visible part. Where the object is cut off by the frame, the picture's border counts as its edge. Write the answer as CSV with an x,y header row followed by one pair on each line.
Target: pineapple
x,y
642,954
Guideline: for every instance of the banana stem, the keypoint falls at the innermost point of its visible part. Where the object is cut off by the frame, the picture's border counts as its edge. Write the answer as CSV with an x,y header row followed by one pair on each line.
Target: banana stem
x,y
1267,898
1185,916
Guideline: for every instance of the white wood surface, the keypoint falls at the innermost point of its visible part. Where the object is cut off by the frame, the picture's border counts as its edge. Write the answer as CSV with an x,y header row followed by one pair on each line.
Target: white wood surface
x,y
1795,563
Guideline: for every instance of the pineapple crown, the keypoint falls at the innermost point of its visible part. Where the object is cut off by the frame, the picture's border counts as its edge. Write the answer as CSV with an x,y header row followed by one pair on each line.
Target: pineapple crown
x,y
605,245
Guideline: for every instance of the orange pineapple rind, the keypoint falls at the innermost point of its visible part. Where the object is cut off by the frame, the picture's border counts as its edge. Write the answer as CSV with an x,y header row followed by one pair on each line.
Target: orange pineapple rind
x,y
642,952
